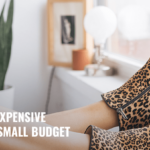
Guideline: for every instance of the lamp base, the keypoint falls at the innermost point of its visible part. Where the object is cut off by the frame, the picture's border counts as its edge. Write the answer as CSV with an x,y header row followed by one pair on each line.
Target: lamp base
x,y
95,70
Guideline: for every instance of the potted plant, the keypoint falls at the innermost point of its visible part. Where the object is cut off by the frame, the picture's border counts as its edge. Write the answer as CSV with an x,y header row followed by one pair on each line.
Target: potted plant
x,y
6,91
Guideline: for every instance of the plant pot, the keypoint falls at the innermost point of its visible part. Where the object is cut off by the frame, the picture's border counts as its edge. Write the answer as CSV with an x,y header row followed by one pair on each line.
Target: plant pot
x,y
7,97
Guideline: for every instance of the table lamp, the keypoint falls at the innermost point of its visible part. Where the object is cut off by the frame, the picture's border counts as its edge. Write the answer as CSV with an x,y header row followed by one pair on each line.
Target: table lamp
x,y
100,23
133,24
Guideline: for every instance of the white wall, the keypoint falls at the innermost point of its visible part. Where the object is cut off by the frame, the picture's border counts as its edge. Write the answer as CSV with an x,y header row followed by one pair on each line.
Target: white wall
x,y
28,70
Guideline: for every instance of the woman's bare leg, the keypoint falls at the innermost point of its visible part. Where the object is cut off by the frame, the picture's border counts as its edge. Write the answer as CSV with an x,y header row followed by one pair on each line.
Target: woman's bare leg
x,y
75,141
98,114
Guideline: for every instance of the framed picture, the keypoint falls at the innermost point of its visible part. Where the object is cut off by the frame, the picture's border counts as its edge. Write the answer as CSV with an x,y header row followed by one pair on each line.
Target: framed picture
x,y
66,31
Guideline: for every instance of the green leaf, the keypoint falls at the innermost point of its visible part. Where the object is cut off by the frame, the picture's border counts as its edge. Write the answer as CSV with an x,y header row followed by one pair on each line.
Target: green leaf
x,y
2,29
7,52
5,42
2,11
9,16
2,79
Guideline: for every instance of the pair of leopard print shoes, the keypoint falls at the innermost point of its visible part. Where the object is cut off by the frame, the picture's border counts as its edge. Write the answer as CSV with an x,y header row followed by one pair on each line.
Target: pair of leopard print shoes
x,y
132,104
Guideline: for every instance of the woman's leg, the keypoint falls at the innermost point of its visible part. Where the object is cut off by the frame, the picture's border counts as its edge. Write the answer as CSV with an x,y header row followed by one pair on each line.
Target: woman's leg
x,y
73,142
98,114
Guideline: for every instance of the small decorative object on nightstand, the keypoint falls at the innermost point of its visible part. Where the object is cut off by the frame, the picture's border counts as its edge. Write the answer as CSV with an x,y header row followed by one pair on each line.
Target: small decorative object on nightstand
x,y
100,22
80,58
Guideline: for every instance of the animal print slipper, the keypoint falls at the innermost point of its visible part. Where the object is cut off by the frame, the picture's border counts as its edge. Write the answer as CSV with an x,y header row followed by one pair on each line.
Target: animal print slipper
x,y
133,139
132,100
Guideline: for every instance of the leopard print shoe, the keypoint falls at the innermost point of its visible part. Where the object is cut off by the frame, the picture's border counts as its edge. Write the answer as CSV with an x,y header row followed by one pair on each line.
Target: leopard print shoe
x,y
133,139
132,100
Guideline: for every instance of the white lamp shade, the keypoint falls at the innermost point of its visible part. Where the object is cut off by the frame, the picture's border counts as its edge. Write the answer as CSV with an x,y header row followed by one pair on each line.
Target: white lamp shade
x,y
134,23
100,23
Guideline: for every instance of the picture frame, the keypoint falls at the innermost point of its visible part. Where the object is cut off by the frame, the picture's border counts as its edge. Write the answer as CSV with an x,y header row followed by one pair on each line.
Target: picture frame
x,y
66,30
